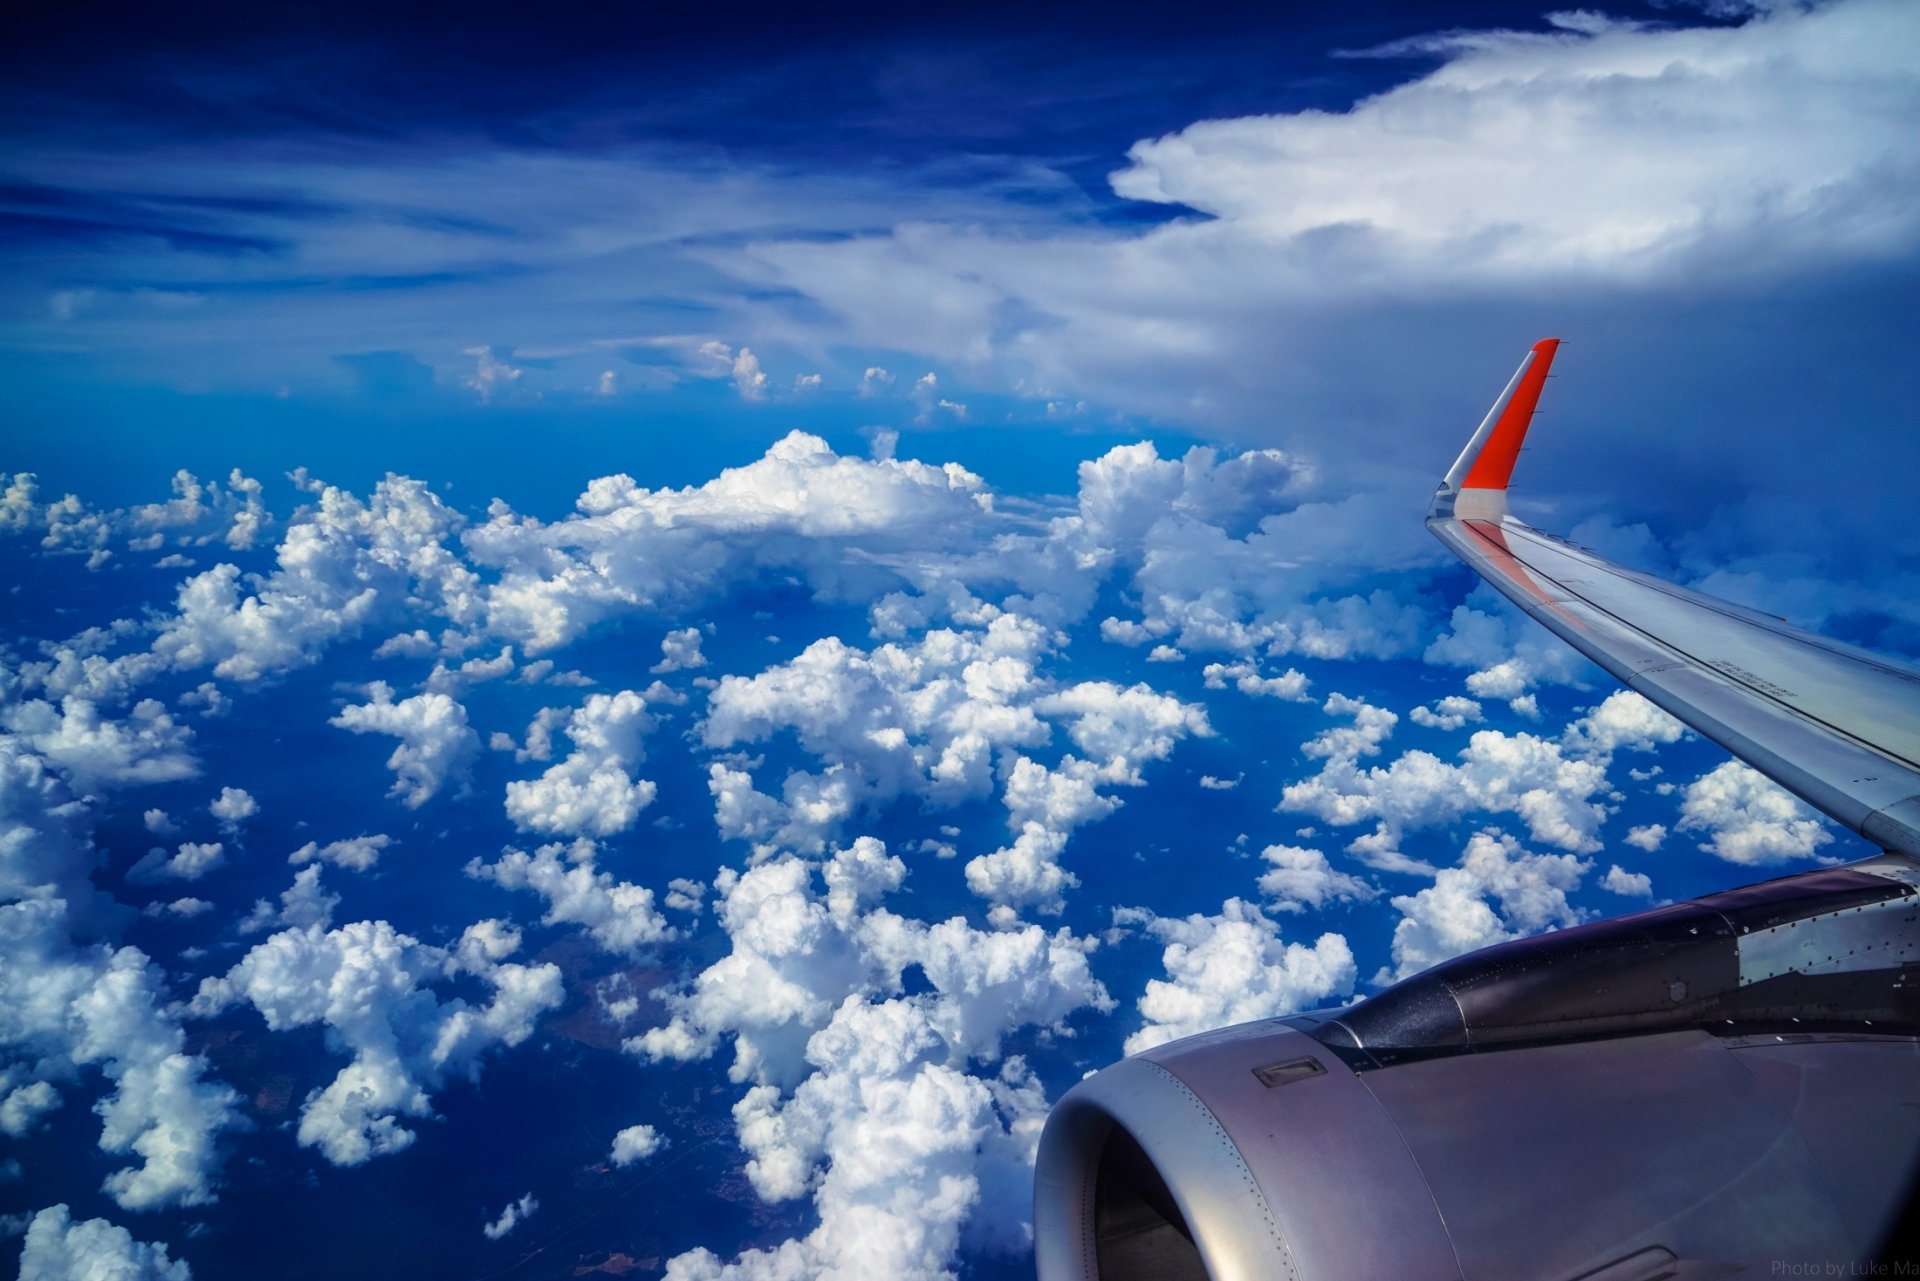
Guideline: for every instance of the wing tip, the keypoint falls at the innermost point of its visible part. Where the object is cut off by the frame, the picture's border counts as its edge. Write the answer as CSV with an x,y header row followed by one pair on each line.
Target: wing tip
x,y
1485,466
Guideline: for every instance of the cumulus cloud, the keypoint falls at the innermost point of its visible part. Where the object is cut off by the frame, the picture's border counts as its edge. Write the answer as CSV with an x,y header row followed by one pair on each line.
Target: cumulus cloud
x,y
1623,720
59,1249
1619,880
436,745
592,792
1749,819
303,905
1510,653
801,506
1498,891
200,513
193,860
924,719
46,853
356,853
619,915
680,651
65,1006
234,806
1290,685
1303,878
512,1217
1448,713
1647,836
1120,730
1371,727
1498,773
844,1071
343,565
1234,968
94,749
371,987
636,1143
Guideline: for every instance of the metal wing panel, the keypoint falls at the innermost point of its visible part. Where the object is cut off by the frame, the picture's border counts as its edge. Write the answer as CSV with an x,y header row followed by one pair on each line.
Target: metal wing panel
x,y
1836,725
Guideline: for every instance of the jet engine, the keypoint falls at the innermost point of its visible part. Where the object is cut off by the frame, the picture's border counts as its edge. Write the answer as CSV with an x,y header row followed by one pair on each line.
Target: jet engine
x,y
1728,1087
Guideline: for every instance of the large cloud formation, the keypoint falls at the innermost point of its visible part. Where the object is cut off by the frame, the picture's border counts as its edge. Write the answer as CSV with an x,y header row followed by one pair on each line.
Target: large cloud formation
x,y
369,985
863,1094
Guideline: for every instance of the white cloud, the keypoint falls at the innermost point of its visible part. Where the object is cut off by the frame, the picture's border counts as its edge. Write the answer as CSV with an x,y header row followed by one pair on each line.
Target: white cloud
x,y
1511,654
801,506
797,953
45,851
1624,719
1748,819
636,1143
1303,878
748,378
1458,914
1124,727
436,745
371,987
1290,685
862,1095
193,860
680,651
146,747
59,1249
1448,713
619,915
1758,142
1234,968
475,671
64,1006
592,792
23,1103
1619,880
1498,773
234,806
356,853
493,377
1647,836
18,509
924,719
1371,727
343,565
303,905
510,1218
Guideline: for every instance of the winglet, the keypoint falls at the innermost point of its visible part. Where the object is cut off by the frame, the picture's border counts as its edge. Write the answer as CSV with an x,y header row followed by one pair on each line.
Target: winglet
x,y
1475,487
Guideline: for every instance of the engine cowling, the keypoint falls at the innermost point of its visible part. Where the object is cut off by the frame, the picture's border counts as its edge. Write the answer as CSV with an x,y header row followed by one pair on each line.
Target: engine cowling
x,y
1657,1096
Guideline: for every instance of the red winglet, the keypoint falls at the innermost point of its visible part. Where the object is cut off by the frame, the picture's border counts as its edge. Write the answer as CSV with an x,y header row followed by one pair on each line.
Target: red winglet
x,y
1494,467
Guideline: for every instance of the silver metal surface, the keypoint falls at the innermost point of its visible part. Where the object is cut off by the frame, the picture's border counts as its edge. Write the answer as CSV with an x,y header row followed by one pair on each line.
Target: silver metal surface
x,y
1611,1146
1791,733
1873,936
1341,1186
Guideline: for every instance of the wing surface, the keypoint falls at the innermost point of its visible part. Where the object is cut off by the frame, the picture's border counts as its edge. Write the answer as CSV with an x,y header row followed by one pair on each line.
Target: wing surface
x,y
1836,725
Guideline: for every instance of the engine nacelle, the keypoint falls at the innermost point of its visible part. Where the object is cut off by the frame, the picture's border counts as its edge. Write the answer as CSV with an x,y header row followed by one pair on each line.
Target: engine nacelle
x,y
1428,1134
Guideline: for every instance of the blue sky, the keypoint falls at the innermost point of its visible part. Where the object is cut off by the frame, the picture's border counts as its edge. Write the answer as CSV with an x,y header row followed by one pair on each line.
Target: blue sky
x,y
622,616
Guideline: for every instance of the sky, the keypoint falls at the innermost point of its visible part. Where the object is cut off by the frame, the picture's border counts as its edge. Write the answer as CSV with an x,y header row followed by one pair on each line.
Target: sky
x,y
632,636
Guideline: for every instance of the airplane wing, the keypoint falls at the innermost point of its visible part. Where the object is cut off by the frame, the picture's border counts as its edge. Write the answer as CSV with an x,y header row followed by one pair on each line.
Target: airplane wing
x,y
1837,726
1723,1088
